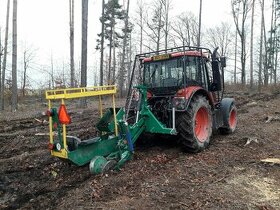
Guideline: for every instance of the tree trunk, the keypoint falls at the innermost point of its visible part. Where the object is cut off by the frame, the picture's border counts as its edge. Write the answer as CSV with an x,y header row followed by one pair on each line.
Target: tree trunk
x,y
122,70
14,59
252,46
199,24
271,51
166,33
159,27
235,59
265,70
110,56
141,28
72,64
275,66
102,46
261,50
5,56
130,61
243,49
24,73
275,48
52,73
84,47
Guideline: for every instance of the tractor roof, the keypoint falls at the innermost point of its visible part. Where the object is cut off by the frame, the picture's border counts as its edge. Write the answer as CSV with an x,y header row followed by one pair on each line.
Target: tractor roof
x,y
176,54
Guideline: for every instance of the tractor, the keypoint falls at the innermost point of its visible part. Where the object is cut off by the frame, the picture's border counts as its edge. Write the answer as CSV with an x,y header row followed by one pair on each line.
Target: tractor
x,y
177,91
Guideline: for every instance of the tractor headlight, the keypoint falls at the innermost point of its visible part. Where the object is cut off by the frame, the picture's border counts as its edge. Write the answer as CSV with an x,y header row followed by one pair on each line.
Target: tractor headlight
x,y
179,103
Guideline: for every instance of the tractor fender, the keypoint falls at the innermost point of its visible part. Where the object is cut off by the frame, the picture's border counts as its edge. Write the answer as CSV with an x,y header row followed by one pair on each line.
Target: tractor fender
x,y
226,104
192,91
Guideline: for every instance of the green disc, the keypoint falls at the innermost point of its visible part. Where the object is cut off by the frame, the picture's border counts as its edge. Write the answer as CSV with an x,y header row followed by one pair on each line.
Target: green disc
x,y
97,164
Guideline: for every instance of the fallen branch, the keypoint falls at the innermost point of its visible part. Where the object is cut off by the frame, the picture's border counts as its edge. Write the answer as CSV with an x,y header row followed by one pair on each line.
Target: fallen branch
x,y
272,118
41,121
271,160
45,134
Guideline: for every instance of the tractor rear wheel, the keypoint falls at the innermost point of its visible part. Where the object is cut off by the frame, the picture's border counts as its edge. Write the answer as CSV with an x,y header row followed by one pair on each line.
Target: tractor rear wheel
x,y
195,125
230,121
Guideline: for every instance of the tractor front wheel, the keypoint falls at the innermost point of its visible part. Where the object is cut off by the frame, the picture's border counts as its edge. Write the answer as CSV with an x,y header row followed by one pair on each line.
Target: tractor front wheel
x,y
195,125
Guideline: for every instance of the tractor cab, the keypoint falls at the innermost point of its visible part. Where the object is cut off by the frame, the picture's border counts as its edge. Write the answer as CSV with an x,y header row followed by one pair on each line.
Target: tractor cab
x,y
164,74
173,77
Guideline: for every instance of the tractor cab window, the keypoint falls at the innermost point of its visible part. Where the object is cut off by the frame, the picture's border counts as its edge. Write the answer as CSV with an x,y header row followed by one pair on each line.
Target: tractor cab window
x,y
166,73
169,73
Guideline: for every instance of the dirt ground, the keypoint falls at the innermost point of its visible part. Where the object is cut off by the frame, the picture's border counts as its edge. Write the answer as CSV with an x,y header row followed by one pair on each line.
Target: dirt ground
x,y
228,175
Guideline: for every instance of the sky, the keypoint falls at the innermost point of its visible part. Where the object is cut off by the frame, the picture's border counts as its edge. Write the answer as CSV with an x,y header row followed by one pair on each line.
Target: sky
x,y
43,27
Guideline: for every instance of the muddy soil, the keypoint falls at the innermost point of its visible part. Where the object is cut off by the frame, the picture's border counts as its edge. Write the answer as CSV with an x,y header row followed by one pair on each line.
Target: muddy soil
x,y
228,175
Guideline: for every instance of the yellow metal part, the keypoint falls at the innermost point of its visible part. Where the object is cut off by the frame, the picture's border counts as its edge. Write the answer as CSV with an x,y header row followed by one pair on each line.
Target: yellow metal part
x,y
115,116
50,124
71,93
62,153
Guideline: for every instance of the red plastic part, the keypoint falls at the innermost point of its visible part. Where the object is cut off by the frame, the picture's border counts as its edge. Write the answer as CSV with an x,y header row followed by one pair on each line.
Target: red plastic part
x,y
51,146
63,116
49,113
55,125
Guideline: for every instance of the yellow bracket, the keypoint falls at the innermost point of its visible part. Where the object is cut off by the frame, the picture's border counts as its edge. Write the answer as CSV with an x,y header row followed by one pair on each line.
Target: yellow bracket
x,y
71,93
62,154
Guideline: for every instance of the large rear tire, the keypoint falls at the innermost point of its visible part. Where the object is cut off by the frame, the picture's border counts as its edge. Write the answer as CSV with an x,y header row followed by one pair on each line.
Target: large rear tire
x,y
195,125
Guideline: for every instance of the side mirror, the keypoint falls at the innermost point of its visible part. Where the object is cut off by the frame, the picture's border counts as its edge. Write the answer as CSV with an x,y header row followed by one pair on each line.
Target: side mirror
x,y
216,84
223,61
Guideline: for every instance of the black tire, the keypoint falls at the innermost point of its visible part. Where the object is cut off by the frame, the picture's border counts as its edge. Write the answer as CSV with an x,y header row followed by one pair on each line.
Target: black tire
x,y
195,138
230,121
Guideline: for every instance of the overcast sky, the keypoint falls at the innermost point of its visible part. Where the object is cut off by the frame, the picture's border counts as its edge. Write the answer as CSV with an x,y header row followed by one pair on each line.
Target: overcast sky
x,y
44,25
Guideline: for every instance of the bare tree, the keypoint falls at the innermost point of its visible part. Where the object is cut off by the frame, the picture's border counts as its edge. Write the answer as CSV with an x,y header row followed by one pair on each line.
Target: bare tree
x,y
199,24
252,45
261,48
155,25
14,59
122,67
71,24
220,36
235,58
166,10
241,7
27,58
140,21
185,29
5,56
102,44
84,47
52,74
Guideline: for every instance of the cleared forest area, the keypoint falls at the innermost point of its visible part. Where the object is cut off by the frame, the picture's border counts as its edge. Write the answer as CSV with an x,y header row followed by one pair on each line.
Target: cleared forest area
x,y
228,175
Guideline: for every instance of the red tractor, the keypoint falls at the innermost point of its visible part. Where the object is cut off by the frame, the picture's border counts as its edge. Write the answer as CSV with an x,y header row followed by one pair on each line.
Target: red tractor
x,y
185,87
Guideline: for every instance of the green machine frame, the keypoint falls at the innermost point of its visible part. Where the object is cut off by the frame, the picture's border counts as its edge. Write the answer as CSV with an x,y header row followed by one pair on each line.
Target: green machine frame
x,y
115,145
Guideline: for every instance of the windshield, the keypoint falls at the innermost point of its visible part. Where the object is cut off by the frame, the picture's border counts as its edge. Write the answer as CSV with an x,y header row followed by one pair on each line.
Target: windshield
x,y
169,73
